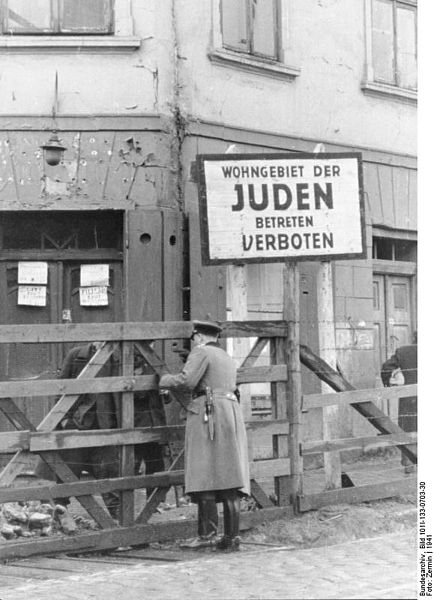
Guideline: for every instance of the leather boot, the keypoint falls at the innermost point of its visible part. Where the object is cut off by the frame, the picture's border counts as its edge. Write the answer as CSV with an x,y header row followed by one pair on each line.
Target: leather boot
x,y
231,520
207,522
207,515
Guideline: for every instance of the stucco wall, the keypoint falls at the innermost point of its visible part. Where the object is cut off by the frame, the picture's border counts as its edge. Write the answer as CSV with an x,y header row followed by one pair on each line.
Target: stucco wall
x,y
326,40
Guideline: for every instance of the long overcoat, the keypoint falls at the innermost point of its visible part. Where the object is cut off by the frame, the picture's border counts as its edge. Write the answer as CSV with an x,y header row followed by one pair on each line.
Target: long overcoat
x,y
222,462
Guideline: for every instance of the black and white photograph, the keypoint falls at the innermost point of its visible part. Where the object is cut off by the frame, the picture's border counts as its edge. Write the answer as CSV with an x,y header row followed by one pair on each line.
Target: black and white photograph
x,y
209,294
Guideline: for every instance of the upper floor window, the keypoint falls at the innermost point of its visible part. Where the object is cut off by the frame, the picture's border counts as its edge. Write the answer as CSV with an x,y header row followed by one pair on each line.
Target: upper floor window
x,y
251,26
57,17
394,43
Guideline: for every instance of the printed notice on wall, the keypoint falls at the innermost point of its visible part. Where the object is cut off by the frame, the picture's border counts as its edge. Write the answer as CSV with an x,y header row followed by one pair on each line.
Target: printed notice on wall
x,y
94,275
32,295
278,207
94,295
32,272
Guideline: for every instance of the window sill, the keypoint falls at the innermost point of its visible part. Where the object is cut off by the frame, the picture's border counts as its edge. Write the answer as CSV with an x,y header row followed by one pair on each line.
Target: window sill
x,y
391,91
253,65
74,43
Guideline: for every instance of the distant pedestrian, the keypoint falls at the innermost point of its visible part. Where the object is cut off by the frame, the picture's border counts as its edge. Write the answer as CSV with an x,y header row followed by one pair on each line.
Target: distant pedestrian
x,y
216,456
404,359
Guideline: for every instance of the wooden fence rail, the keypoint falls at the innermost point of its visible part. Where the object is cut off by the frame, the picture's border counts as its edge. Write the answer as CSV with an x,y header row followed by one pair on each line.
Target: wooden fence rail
x,y
48,440
399,438
121,339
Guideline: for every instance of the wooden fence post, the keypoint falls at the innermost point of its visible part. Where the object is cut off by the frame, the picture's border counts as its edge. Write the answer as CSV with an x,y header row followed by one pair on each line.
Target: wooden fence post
x,y
327,351
127,422
291,314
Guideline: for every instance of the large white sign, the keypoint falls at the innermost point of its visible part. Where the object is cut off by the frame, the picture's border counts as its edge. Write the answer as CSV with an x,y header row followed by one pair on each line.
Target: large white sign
x,y
273,207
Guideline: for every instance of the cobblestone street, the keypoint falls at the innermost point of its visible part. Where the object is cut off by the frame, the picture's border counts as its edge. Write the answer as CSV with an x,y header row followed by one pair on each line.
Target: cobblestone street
x,y
382,567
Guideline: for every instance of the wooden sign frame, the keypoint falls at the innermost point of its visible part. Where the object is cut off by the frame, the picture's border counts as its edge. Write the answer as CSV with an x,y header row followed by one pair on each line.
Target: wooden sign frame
x,y
208,259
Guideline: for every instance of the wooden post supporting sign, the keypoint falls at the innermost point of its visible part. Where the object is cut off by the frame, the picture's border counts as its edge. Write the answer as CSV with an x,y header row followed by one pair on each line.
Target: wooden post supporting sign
x,y
291,314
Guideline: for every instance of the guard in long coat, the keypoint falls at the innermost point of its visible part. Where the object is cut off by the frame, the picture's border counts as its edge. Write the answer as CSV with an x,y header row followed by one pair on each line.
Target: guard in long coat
x,y
405,359
216,456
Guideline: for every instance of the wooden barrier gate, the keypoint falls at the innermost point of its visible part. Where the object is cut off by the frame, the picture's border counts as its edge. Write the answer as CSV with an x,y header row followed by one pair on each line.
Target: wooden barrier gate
x,y
45,440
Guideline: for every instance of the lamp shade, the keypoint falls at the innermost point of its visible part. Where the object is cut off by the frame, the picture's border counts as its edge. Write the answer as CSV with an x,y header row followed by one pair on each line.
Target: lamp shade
x,y
53,150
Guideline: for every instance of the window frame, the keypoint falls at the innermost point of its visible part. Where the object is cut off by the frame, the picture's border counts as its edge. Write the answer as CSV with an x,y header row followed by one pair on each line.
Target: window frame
x,y
55,28
277,67
120,39
373,85
249,23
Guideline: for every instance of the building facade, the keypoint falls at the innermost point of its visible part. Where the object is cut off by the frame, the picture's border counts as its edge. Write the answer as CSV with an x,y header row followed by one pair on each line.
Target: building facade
x,y
135,91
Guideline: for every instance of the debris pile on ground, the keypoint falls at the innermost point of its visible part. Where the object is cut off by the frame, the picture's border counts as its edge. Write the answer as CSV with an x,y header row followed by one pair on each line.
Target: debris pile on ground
x,y
34,518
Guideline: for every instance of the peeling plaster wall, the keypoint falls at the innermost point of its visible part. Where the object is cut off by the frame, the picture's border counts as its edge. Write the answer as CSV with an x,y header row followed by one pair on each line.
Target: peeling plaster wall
x,y
111,170
326,40
95,81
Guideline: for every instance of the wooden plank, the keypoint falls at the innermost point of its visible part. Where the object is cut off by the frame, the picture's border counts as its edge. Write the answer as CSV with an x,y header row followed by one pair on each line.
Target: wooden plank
x,y
262,373
65,403
143,264
265,329
160,367
13,441
291,313
367,409
14,467
85,385
278,427
130,536
14,414
62,470
158,495
364,443
90,487
270,467
126,497
327,351
259,495
237,310
130,331
357,494
350,397
73,438
254,353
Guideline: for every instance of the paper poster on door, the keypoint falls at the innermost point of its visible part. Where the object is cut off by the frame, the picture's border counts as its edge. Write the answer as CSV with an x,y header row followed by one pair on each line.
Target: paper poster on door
x,y
32,272
94,275
94,295
32,295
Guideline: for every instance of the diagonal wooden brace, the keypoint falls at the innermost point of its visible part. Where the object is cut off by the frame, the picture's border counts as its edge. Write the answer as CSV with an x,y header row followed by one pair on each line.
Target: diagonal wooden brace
x,y
369,410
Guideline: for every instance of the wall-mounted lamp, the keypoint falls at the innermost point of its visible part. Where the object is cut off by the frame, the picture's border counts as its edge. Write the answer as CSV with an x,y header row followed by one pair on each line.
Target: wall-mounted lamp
x,y
53,150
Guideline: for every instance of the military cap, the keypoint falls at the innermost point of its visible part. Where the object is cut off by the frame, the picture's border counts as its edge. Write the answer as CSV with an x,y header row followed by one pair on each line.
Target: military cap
x,y
206,327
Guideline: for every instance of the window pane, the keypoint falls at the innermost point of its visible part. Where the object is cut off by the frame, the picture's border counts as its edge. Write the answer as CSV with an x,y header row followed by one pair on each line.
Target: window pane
x,y
234,24
406,38
264,28
85,16
22,16
382,41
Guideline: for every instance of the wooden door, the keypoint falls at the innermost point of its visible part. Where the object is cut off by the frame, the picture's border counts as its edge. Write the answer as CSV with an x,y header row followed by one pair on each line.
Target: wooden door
x,y
399,318
28,361
72,309
379,323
